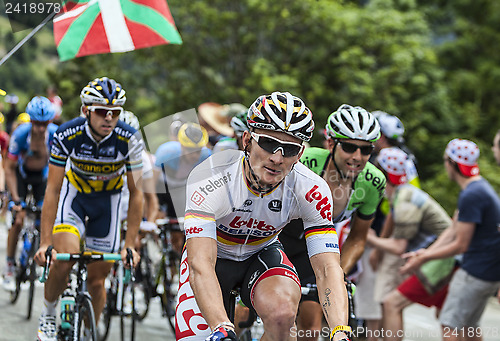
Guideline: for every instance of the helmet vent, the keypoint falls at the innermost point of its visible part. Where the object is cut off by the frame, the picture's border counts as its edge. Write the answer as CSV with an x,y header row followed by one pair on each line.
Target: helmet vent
x,y
348,125
360,117
372,127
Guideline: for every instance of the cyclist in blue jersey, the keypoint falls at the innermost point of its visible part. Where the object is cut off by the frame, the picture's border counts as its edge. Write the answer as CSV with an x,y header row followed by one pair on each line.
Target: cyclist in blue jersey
x,y
174,161
82,201
27,164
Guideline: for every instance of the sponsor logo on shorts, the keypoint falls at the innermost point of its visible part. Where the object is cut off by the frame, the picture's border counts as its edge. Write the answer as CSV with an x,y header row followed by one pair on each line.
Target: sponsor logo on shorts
x,y
197,198
323,206
253,278
332,245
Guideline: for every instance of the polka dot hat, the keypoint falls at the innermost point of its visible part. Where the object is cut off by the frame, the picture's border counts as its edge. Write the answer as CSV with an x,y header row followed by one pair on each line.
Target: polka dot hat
x,y
465,153
393,161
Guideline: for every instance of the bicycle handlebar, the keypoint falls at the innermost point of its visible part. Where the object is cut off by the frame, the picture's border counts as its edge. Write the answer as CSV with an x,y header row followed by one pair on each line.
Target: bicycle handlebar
x,y
169,221
85,256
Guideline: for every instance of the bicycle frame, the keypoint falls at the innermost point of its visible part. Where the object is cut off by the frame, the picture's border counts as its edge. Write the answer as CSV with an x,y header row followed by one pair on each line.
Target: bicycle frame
x,y
81,293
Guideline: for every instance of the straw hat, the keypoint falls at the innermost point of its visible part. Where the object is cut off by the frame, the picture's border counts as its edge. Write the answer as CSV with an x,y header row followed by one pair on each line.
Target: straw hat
x,y
212,114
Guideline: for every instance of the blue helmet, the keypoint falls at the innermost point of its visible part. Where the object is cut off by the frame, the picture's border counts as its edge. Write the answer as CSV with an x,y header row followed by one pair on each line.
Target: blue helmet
x,y
105,91
40,109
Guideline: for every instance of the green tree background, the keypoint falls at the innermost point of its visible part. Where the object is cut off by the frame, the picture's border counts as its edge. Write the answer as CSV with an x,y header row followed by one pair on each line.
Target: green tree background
x,y
435,64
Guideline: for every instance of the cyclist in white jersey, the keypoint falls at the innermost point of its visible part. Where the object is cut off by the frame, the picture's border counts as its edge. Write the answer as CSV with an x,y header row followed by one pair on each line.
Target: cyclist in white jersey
x,y
237,203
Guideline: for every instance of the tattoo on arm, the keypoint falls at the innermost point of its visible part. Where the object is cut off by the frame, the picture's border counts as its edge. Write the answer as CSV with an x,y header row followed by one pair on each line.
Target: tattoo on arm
x,y
327,302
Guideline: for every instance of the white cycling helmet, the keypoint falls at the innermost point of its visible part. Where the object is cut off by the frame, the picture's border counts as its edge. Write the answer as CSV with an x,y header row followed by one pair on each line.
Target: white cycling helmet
x,y
355,123
391,126
239,123
129,118
281,111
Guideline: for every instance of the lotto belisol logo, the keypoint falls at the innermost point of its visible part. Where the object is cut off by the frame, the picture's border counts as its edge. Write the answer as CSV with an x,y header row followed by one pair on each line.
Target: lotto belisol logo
x,y
27,14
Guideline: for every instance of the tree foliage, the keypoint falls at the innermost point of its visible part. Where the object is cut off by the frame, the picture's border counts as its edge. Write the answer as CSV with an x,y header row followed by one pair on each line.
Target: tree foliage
x,y
433,63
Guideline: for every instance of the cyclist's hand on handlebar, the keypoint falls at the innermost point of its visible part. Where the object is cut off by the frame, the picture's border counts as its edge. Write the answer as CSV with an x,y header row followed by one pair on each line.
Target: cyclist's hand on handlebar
x,y
40,255
135,256
16,205
222,334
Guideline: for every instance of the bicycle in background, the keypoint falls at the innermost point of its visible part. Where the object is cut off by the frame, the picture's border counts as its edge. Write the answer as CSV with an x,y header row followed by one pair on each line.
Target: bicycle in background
x,y
120,301
159,278
30,240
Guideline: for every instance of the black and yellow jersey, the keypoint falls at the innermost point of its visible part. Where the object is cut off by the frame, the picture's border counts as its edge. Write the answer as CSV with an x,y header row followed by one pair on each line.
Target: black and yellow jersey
x,y
96,166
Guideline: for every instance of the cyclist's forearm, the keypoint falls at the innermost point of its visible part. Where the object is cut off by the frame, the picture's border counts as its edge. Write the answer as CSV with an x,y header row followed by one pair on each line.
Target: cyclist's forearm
x,y
207,292
134,217
331,289
48,217
352,250
11,180
50,202
202,256
151,206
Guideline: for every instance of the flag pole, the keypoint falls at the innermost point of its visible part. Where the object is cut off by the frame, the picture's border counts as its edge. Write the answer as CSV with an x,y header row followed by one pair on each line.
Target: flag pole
x,y
28,37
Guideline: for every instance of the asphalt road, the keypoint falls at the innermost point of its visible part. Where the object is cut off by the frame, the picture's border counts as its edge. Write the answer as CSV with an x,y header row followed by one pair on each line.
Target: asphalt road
x,y
420,322
14,326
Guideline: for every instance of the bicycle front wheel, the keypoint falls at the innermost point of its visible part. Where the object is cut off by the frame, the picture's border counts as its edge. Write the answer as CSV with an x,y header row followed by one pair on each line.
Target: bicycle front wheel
x,y
168,297
85,324
31,271
14,295
128,315
105,318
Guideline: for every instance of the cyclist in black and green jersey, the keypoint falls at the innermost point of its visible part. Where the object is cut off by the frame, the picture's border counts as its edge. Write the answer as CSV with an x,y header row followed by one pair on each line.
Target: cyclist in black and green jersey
x,y
357,187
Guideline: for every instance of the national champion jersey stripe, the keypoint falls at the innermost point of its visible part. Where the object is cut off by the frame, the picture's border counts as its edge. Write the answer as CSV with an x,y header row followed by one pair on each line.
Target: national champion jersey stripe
x,y
242,222
231,239
319,231
199,215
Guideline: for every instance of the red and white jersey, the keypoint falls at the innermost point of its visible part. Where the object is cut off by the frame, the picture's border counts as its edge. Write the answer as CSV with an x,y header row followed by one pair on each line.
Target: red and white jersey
x,y
221,205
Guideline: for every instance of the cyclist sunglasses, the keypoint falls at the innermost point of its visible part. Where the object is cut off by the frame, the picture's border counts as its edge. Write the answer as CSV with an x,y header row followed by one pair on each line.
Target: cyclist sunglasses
x,y
351,148
105,111
272,145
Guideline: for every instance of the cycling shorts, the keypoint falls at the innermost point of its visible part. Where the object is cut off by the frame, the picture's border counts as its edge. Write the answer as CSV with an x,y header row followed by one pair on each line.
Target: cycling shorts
x,y
270,261
37,181
95,216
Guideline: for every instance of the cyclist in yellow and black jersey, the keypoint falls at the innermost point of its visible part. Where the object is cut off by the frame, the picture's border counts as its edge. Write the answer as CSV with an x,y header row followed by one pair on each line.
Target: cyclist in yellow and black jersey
x,y
84,201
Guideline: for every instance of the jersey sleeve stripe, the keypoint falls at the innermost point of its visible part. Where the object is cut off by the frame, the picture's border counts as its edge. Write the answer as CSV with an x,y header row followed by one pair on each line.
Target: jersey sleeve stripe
x,y
312,231
199,215
61,163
